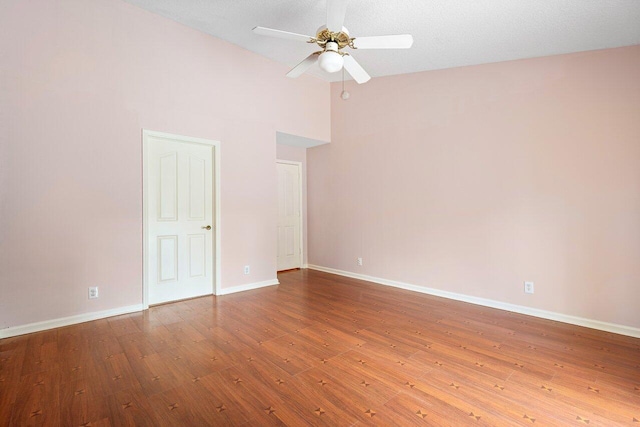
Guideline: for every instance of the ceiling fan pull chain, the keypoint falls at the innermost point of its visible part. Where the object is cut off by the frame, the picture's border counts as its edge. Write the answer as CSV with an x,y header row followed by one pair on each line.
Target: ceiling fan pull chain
x,y
344,94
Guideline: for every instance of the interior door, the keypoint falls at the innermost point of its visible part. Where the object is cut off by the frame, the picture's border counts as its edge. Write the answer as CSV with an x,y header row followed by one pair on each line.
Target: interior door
x,y
180,220
289,216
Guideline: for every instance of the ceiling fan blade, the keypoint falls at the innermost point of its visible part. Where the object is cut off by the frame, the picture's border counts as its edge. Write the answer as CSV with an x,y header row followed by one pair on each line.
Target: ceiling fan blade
x,y
355,70
307,62
336,9
281,34
400,41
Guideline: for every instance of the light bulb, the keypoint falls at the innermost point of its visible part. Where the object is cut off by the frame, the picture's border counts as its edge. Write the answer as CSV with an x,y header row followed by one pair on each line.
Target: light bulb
x,y
345,95
331,61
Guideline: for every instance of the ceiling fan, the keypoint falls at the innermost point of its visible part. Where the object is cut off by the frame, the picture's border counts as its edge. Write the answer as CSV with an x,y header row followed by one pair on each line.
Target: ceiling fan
x,y
333,38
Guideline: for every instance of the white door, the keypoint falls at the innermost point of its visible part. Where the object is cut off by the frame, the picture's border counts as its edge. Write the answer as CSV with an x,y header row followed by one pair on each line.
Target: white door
x,y
289,216
180,219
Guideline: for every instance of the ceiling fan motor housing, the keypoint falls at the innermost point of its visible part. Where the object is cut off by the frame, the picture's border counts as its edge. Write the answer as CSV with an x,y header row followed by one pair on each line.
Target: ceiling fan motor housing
x,y
324,36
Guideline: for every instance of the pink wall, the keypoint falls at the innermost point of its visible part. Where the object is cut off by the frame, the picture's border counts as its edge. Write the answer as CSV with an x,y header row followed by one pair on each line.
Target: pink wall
x,y
78,82
298,154
473,180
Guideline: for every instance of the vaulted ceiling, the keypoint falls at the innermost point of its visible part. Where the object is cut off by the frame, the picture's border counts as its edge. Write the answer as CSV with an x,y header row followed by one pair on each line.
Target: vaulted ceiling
x,y
447,33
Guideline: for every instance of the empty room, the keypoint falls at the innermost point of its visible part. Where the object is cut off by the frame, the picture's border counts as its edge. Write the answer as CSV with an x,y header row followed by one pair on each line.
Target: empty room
x,y
319,212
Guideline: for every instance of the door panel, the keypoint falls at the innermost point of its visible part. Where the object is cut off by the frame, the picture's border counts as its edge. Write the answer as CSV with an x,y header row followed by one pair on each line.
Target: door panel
x,y
168,170
289,241
180,206
197,254
167,258
197,188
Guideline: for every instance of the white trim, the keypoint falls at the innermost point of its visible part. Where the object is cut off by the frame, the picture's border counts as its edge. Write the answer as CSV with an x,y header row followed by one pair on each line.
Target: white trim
x,y
297,141
289,162
530,311
248,287
146,134
299,165
66,321
218,215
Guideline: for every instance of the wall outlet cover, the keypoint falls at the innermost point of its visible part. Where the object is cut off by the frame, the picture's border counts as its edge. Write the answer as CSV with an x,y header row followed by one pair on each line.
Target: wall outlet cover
x,y
93,292
528,287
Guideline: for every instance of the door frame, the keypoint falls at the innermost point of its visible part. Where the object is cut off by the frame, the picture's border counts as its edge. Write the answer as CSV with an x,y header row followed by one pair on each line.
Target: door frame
x,y
146,136
299,165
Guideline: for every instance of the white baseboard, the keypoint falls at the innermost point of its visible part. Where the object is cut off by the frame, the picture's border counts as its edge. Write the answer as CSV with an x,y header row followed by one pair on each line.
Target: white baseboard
x,y
66,321
87,317
248,287
565,318
550,315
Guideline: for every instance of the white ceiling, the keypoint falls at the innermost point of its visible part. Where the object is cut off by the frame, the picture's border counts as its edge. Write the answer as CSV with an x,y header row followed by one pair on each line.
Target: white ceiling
x,y
447,33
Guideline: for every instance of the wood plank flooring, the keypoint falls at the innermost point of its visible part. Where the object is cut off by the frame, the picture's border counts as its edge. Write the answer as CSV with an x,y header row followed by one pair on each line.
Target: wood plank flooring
x,y
324,350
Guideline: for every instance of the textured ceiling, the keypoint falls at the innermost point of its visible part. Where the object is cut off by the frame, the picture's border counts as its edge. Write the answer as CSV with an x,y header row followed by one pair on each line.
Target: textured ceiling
x,y
447,33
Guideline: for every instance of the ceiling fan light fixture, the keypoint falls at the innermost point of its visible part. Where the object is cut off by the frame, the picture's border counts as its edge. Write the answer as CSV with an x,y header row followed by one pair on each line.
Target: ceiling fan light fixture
x,y
331,61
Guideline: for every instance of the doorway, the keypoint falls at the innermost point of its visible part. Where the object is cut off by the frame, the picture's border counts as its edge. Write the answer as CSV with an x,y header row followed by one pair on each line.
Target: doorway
x,y
181,217
289,215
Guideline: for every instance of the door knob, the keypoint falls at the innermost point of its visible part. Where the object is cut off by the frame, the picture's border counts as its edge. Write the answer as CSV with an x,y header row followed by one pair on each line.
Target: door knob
x,y
207,227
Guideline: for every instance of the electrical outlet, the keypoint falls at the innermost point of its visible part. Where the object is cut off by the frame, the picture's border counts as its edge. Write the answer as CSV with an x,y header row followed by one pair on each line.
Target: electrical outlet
x,y
528,287
247,269
93,292
359,261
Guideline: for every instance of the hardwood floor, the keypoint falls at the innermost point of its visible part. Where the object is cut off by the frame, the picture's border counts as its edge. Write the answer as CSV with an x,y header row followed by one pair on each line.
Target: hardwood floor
x,y
320,350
